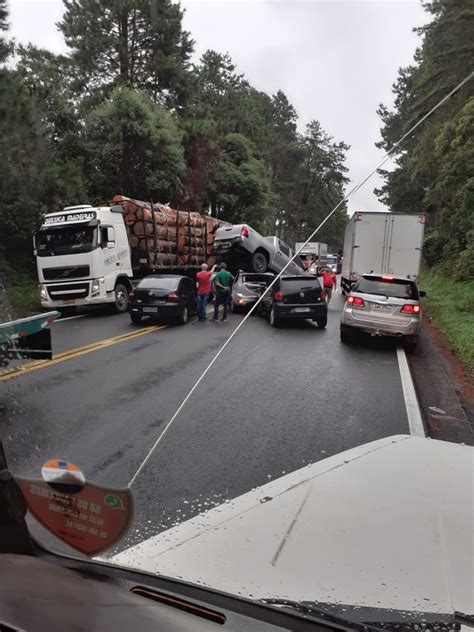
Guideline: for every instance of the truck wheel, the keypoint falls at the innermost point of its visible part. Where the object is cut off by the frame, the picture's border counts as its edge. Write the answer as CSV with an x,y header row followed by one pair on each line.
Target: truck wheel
x,y
136,318
259,262
67,311
347,335
184,316
274,320
121,298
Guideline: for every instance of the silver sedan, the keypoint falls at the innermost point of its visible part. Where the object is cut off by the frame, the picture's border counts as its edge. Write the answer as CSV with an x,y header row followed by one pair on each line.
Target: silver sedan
x,y
383,305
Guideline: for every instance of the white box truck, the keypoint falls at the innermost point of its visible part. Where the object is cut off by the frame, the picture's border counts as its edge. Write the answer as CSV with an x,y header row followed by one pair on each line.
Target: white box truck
x,y
382,243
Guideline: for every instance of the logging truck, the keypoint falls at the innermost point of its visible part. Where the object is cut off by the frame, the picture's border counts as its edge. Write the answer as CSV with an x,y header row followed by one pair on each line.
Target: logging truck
x,y
90,255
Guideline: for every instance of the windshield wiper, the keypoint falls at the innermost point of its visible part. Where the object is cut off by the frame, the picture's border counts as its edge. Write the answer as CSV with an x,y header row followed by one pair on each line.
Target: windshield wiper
x,y
367,618
316,613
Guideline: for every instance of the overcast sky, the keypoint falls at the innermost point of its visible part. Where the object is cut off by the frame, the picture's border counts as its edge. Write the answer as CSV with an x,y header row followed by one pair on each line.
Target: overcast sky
x,y
336,60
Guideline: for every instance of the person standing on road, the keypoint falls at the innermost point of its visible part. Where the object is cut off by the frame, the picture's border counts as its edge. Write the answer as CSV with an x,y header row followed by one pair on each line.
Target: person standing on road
x,y
329,282
222,282
203,284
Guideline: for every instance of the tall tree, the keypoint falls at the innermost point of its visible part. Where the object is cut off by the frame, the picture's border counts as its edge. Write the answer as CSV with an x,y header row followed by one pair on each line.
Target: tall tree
x,y
134,148
4,47
420,179
133,43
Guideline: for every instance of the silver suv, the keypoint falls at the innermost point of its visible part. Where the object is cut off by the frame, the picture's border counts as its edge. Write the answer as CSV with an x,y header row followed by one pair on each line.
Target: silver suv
x,y
383,305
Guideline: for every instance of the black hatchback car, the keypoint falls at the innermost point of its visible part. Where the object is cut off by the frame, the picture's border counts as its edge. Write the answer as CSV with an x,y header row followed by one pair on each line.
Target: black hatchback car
x,y
295,297
167,296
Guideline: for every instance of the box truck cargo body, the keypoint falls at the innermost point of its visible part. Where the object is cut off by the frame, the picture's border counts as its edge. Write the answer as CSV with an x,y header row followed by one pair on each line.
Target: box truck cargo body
x,y
382,243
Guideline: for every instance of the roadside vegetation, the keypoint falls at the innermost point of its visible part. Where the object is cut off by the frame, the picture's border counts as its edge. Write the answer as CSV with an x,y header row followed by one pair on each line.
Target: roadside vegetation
x,y
450,305
22,289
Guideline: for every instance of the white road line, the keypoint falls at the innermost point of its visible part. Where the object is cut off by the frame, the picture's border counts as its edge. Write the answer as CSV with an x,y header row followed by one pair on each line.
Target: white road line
x,y
415,420
61,320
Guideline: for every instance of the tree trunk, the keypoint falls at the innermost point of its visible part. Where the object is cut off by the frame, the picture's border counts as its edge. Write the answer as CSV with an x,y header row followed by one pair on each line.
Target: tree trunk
x,y
123,47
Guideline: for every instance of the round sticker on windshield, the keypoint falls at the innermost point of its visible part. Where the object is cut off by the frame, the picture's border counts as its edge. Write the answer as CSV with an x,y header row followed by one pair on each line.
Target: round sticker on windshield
x,y
63,476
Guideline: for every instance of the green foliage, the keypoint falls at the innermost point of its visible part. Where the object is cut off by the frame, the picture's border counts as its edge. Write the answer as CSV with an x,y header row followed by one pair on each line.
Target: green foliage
x,y
132,43
134,148
451,306
22,289
435,166
4,47
239,187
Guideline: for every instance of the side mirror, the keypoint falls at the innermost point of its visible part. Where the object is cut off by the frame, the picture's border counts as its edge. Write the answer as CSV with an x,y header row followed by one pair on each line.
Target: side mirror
x,y
422,294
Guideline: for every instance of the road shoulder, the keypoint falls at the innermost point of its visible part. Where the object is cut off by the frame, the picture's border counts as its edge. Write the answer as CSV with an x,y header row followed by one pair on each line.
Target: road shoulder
x,y
445,393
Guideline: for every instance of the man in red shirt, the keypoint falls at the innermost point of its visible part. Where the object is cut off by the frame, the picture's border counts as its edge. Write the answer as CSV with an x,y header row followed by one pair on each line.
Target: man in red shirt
x,y
203,284
329,281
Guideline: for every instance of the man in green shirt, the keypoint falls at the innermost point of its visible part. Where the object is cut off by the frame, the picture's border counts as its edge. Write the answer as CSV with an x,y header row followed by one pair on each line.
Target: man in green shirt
x,y
222,283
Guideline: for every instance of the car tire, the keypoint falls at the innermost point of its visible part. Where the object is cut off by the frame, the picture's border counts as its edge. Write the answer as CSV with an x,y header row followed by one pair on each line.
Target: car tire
x,y
346,333
274,320
184,316
136,318
322,322
67,311
410,346
259,262
121,298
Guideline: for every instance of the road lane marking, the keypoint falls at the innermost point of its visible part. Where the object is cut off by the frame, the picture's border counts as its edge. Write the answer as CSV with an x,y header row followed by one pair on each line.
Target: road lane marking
x,y
78,351
415,421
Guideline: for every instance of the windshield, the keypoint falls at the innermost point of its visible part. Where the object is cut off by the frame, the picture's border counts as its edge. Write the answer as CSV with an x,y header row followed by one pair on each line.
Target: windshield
x,y
395,289
274,439
66,241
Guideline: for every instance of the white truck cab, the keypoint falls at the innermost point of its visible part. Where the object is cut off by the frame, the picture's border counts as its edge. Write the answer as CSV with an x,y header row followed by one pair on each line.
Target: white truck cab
x,y
83,258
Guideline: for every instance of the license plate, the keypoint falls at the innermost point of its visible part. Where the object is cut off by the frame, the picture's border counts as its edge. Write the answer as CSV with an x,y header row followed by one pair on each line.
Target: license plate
x,y
381,308
224,246
150,309
301,309
69,301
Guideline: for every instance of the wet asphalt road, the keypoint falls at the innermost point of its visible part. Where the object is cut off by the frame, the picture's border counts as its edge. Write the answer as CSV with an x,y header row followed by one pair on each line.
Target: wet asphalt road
x,y
276,400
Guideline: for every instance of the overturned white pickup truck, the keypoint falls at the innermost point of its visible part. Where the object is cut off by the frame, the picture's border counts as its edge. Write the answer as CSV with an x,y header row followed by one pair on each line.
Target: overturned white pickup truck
x,y
240,246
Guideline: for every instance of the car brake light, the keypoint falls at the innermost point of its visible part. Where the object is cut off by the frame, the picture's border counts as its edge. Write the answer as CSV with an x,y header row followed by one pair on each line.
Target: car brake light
x,y
245,231
174,296
356,300
411,309
279,295
387,277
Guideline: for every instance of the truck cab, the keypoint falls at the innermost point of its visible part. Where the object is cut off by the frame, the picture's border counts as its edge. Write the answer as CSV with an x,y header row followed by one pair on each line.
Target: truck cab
x,y
83,258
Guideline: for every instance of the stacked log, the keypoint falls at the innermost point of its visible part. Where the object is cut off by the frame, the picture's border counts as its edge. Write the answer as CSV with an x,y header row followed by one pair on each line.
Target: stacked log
x,y
166,237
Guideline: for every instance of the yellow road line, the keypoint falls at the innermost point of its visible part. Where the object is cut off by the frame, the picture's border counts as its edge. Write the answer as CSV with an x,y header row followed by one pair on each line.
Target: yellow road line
x,y
78,351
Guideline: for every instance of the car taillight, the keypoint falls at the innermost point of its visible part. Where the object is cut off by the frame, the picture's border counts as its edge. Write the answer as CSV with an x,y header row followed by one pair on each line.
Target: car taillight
x,y
174,296
387,277
279,295
411,309
245,231
355,300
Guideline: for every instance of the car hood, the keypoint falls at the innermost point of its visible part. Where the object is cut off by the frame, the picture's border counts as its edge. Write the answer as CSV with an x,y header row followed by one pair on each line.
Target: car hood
x,y
386,525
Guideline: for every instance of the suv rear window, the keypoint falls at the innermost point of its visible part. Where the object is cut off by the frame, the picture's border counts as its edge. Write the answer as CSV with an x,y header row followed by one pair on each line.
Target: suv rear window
x,y
398,288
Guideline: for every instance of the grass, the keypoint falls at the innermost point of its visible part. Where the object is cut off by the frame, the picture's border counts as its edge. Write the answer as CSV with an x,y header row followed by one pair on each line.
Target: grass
x,y
22,290
450,305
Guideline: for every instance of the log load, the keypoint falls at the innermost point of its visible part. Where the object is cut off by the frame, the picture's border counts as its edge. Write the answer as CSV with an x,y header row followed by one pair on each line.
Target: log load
x,y
167,237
